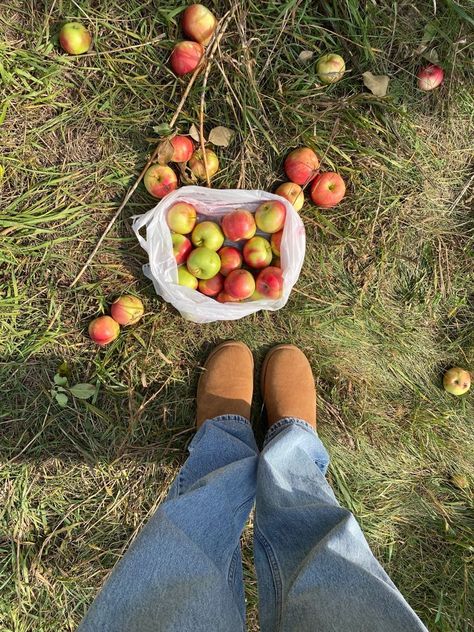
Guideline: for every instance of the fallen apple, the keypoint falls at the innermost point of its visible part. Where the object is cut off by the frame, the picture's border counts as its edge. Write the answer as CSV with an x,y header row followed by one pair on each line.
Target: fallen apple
x,y
198,23
181,218
74,38
212,286
196,164
293,193
240,224
103,330
127,310
275,242
270,216
185,57
301,165
239,284
257,252
203,263
457,381
330,68
182,246
208,234
327,189
186,278
231,259
269,282
430,77
183,148
160,180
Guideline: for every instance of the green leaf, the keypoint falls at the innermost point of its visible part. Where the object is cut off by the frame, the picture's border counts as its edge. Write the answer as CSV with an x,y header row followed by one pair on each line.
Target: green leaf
x,y
3,112
82,391
61,398
60,380
163,129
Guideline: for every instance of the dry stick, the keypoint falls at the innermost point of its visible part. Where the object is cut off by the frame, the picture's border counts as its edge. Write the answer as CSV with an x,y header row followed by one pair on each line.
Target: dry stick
x,y
205,58
201,124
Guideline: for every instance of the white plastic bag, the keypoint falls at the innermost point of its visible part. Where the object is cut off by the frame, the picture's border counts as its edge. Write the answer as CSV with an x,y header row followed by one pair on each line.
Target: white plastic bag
x,y
213,204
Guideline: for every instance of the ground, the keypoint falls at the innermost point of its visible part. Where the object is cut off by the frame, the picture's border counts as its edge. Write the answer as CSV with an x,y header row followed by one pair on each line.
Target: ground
x,y
383,305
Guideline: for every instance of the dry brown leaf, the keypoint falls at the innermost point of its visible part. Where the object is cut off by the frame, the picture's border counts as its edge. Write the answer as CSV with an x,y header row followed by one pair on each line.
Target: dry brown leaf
x,y
165,152
194,133
305,56
221,136
377,84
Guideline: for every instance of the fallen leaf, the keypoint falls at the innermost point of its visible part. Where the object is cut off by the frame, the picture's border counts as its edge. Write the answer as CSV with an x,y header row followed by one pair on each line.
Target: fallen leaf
x,y
82,390
162,130
221,136
431,55
305,56
194,133
165,152
377,84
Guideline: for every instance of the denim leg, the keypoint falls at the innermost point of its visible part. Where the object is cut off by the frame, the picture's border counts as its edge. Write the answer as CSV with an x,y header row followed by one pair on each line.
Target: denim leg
x,y
184,570
314,567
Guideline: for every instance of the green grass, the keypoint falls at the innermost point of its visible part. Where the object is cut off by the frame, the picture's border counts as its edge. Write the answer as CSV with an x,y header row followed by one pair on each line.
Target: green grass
x,y
383,305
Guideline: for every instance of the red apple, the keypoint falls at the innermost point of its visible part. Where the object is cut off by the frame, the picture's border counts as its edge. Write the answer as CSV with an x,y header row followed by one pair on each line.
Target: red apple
x,y
330,68
240,224
257,252
196,164
239,284
212,286
430,77
327,189
269,282
160,180
223,297
127,310
203,263
301,165
208,234
183,148
198,23
275,242
231,259
181,218
293,193
103,330
270,216
181,247
74,38
185,57
186,278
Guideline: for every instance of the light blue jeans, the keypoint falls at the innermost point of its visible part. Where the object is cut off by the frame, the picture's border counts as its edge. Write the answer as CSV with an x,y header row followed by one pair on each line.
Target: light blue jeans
x,y
315,570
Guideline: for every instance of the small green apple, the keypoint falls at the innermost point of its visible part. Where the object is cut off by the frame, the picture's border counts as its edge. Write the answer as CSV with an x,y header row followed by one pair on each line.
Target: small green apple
x,y
457,381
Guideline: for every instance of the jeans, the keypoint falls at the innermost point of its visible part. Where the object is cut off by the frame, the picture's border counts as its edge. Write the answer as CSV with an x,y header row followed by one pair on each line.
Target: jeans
x,y
314,567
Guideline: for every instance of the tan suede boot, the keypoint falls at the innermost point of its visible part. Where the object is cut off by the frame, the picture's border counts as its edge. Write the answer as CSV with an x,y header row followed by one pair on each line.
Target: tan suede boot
x,y
226,385
288,387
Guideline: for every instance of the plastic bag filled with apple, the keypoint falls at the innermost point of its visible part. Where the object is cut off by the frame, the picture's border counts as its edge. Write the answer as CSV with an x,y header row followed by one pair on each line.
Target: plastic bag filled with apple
x,y
213,204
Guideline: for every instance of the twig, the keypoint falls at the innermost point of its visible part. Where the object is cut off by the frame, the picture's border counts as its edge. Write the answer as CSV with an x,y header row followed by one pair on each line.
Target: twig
x,y
201,124
206,58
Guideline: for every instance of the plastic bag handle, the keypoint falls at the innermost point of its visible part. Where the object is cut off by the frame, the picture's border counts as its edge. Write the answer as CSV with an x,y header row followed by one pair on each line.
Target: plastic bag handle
x,y
138,222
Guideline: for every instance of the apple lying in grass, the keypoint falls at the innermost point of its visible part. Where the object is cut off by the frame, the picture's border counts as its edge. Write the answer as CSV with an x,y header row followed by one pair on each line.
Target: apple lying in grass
x,y
103,330
330,68
185,57
223,297
457,381
186,278
239,284
293,193
231,259
327,189
270,216
182,246
430,77
208,234
240,224
198,23
160,180
269,282
196,164
181,218
203,263
127,309
257,252
212,286
301,165
183,148
275,242
74,38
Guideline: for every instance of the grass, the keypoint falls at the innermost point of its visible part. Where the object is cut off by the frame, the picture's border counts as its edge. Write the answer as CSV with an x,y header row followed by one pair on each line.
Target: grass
x,y
383,305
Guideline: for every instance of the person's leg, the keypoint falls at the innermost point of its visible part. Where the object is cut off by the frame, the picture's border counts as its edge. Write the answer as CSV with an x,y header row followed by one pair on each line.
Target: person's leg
x,y
314,567
184,570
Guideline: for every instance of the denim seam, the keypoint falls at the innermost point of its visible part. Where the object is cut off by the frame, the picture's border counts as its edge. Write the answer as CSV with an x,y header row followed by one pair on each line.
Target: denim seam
x,y
287,421
275,571
233,566
238,418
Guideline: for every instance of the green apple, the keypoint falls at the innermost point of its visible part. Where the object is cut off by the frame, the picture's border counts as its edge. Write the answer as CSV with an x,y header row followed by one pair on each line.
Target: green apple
x,y
207,234
186,278
457,381
203,263
330,68
74,38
